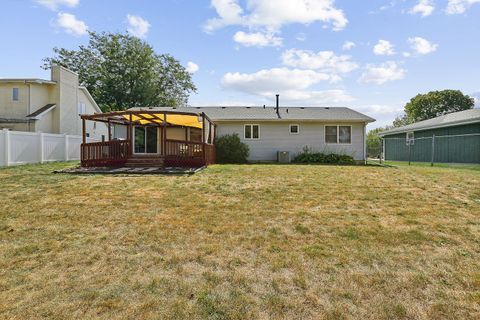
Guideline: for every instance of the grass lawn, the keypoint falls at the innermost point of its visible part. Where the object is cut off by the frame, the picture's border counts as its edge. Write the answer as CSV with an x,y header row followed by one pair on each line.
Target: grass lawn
x,y
241,242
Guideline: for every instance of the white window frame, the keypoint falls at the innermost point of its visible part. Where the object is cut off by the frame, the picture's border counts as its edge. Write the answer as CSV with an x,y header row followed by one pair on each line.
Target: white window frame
x,y
251,128
293,125
81,107
410,140
145,153
338,134
13,94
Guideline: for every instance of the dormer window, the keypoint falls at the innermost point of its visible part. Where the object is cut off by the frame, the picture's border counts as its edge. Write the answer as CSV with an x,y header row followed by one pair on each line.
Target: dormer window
x,y
15,96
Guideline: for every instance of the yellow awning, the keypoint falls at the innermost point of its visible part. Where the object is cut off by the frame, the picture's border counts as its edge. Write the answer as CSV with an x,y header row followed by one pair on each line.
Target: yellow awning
x,y
175,119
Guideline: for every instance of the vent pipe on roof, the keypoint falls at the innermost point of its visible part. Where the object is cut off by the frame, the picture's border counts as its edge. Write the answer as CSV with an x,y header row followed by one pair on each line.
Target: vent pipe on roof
x,y
277,106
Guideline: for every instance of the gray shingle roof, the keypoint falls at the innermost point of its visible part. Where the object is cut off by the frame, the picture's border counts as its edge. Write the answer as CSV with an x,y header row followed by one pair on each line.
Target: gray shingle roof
x,y
448,120
269,113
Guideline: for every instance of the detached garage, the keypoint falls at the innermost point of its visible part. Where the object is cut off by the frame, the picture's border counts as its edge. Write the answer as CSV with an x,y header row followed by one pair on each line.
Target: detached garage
x,y
451,138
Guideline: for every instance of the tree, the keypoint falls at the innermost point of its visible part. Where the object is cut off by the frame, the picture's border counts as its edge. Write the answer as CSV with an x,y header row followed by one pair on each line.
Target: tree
x,y
374,143
122,71
437,103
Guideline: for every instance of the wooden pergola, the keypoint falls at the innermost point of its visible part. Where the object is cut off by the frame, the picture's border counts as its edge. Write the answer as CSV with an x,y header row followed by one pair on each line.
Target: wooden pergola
x,y
120,151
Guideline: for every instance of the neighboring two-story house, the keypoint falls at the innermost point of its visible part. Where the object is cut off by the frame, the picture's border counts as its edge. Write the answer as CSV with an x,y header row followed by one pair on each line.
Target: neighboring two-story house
x,y
49,106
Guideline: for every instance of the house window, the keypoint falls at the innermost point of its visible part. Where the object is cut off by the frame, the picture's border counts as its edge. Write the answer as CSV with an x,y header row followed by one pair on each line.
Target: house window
x,y
410,138
15,94
338,134
294,129
252,131
345,134
330,134
81,108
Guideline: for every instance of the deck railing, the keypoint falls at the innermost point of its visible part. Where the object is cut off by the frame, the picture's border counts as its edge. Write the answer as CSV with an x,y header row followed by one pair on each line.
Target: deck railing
x,y
107,153
180,153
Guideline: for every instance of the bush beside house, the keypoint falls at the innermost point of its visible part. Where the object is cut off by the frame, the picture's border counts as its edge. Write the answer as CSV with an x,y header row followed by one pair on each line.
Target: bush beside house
x,y
307,156
230,149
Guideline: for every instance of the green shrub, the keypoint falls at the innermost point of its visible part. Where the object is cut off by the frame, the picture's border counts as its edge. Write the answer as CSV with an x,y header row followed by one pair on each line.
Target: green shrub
x,y
307,156
230,149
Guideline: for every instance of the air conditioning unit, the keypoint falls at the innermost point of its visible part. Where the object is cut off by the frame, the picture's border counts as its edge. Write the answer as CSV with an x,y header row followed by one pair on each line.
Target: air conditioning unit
x,y
283,157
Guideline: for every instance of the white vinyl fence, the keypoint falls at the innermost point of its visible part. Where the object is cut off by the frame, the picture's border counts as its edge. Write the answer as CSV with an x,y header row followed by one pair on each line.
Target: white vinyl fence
x,y
17,147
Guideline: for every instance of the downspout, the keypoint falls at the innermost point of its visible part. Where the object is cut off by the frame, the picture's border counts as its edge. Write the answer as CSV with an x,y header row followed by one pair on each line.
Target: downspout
x,y
365,142
29,105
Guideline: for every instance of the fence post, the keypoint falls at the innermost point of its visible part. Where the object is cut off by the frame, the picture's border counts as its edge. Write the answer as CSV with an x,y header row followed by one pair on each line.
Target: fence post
x,y
433,150
66,147
409,152
6,134
383,151
41,146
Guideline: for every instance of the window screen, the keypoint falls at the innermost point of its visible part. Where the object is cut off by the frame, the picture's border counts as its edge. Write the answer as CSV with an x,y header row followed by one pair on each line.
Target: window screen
x,y
331,134
252,131
345,134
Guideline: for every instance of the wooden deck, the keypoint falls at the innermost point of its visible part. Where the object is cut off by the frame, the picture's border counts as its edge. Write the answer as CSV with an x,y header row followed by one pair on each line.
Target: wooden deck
x,y
176,153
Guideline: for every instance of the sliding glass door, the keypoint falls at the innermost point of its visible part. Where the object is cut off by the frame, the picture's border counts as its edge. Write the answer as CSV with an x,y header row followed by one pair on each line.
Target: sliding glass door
x,y
146,139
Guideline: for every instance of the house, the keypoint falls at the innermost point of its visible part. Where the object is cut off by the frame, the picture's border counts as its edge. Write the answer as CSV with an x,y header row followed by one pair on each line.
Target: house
x,y
451,138
171,133
49,106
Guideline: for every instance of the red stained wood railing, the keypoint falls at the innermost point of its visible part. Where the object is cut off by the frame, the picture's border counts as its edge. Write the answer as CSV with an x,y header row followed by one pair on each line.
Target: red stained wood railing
x,y
190,154
105,154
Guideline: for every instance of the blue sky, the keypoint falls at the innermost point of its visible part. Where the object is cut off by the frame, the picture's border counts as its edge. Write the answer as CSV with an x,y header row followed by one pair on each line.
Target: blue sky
x,y
370,55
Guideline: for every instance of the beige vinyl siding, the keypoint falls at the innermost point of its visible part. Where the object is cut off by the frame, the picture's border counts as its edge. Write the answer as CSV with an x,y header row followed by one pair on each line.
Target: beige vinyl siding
x,y
8,107
275,136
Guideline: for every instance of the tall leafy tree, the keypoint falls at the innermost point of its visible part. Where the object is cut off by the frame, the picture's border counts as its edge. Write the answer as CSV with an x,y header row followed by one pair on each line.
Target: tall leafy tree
x,y
122,71
434,104
374,143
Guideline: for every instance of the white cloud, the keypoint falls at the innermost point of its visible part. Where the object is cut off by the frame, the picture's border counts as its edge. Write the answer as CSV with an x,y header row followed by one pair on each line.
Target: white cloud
x,y
383,48
380,74
54,4
348,45
257,39
325,61
71,24
317,98
301,36
423,7
292,84
271,80
459,6
192,67
422,46
273,14
137,26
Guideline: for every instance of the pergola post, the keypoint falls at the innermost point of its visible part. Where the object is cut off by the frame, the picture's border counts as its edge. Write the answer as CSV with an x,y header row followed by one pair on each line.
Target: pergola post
x,y
203,139
130,135
164,135
83,131
210,132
